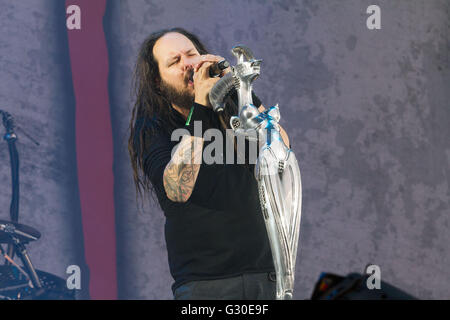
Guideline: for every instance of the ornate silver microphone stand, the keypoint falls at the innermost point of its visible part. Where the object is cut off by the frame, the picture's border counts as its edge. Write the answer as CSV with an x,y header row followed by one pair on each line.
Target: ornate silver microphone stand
x,y
276,169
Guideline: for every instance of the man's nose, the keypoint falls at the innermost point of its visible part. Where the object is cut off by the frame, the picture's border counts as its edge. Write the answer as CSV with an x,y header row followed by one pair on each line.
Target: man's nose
x,y
188,66
190,62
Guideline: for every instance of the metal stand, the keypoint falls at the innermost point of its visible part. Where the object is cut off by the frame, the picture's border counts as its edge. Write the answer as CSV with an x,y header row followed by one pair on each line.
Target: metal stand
x,y
26,261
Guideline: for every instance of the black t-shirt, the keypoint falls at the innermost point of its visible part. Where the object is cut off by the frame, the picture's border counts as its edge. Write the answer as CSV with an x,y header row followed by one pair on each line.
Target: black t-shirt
x,y
219,232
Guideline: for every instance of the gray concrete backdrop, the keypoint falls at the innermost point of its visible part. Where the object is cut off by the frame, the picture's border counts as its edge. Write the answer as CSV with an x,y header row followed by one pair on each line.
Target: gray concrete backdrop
x,y
36,88
367,113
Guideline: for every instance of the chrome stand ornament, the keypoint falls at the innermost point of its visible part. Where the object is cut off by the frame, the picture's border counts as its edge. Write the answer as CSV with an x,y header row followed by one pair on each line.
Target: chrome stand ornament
x,y
276,170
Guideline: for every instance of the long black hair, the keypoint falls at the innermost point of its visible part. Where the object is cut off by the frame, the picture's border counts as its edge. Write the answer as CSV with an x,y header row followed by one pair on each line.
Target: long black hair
x,y
151,106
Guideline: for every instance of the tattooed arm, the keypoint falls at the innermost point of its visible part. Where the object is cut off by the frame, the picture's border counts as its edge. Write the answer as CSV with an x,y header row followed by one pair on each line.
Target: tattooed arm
x,y
182,170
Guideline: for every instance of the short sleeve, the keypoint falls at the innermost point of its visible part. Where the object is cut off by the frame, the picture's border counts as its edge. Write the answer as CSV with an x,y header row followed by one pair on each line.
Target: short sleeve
x,y
156,157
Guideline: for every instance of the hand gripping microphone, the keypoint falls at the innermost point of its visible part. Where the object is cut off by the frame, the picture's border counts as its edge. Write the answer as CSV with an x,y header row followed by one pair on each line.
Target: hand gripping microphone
x,y
216,69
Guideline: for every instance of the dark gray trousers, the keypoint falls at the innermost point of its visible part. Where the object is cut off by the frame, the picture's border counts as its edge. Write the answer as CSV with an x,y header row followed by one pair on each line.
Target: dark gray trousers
x,y
248,286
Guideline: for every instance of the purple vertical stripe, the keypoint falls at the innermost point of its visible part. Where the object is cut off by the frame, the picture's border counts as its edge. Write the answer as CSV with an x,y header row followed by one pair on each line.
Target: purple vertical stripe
x,y
94,146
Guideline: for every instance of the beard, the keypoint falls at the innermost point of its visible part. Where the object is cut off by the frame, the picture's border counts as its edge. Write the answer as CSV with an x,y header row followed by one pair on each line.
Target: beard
x,y
181,98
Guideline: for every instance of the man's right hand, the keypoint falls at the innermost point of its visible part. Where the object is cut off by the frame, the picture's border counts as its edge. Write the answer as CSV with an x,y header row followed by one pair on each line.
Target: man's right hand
x,y
203,83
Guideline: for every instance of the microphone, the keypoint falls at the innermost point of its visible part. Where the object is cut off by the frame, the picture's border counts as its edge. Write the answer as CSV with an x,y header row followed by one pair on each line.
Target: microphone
x,y
216,69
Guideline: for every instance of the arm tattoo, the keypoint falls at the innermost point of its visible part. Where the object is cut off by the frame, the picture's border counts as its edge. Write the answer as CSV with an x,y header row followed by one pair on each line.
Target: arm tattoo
x,y
182,170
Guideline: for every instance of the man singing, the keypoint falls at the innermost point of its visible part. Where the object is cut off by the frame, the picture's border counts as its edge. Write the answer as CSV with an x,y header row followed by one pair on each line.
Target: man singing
x,y
215,233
